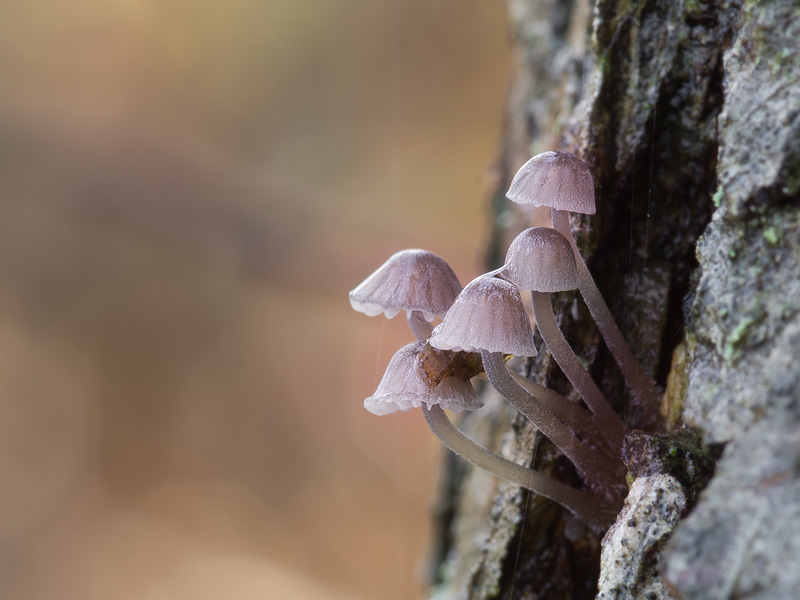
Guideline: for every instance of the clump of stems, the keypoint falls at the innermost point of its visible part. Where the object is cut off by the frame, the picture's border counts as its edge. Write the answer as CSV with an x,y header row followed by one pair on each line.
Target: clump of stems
x,y
487,319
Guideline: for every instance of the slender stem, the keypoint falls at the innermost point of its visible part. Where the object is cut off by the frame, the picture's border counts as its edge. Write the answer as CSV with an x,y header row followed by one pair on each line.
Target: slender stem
x,y
587,506
611,427
595,467
574,416
419,326
641,385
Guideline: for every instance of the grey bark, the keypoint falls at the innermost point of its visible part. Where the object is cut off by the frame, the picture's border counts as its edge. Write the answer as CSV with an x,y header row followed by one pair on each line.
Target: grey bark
x,y
689,115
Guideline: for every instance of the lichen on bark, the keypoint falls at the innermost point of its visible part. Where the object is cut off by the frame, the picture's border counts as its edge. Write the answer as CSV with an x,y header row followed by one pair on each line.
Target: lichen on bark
x,y
743,378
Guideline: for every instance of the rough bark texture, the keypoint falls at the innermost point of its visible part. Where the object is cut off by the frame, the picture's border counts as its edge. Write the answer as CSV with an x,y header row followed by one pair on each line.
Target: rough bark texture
x,y
689,115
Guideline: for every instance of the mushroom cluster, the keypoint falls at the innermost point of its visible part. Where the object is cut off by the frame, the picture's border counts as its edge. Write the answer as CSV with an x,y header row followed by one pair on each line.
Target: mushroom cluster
x,y
486,321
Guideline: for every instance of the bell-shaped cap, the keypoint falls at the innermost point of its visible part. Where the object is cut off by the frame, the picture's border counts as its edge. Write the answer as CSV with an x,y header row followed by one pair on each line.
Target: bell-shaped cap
x,y
487,315
410,280
541,259
403,388
559,180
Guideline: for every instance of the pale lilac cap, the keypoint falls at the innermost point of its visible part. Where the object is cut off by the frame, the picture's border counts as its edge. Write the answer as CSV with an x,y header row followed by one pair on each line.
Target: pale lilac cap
x,y
402,388
487,315
410,280
559,180
541,259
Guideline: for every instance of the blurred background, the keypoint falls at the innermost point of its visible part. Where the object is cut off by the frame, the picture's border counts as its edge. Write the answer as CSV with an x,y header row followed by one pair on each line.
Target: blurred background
x,y
187,192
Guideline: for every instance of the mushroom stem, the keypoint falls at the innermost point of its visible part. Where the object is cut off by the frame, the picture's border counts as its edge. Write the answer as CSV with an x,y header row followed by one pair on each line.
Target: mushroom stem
x,y
579,421
420,327
589,507
596,468
609,423
641,385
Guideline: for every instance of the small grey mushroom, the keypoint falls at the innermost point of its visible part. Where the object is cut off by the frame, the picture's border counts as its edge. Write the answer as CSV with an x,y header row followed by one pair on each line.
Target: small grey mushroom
x,y
564,183
416,281
489,317
540,259
402,388
554,178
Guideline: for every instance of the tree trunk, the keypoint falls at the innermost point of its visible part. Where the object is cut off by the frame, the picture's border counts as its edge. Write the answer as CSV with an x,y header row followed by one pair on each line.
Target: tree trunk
x,y
688,114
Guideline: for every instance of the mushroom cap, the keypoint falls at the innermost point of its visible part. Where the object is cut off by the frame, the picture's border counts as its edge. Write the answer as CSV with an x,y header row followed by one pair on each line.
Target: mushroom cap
x,y
402,388
541,259
559,180
410,280
487,315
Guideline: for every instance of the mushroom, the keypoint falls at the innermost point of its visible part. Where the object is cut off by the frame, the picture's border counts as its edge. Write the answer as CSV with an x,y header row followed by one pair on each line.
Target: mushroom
x,y
489,317
563,182
540,259
416,281
402,388
559,180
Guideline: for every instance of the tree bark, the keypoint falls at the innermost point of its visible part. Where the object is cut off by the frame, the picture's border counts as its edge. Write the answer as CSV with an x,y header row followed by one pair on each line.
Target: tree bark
x,y
688,114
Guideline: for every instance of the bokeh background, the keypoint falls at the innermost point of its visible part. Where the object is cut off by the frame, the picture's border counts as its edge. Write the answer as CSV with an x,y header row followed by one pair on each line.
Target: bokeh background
x,y
187,192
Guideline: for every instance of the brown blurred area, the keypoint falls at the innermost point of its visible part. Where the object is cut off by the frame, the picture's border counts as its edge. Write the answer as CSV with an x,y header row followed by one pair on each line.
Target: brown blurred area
x,y
187,192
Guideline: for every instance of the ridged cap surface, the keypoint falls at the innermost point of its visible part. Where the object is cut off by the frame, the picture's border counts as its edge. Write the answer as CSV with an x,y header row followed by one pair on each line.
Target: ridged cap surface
x,y
487,315
559,180
541,259
409,280
402,388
